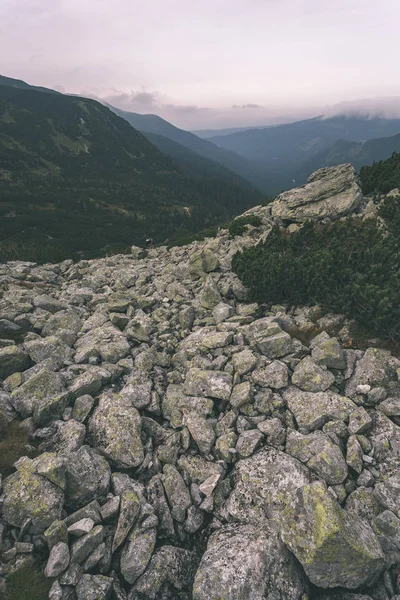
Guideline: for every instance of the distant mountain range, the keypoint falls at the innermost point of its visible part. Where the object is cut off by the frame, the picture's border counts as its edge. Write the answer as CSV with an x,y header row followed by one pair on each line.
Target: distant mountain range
x,y
69,165
74,173
153,125
284,152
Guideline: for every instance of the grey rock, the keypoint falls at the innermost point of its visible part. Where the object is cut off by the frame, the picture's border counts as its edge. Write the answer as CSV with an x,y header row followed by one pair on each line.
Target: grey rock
x,y
27,495
128,515
94,587
82,407
335,549
244,561
115,428
376,368
81,527
312,410
388,493
48,303
81,549
136,554
329,353
248,442
12,360
106,342
310,377
329,192
214,384
263,484
320,455
177,493
171,567
87,477
58,560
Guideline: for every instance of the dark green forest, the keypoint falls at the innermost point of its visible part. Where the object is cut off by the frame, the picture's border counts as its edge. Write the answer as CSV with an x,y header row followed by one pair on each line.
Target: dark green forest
x,y
382,176
75,179
351,267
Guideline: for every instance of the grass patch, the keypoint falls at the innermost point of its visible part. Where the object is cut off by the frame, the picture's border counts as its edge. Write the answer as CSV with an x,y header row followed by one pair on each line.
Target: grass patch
x,y
27,583
13,442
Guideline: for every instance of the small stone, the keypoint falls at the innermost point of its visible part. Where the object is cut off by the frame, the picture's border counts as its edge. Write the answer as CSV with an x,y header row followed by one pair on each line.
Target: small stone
x,y
360,421
241,394
208,486
58,560
81,527
248,442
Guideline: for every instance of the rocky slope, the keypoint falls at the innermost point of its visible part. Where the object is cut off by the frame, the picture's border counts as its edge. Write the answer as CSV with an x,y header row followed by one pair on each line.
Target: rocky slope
x,y
187,444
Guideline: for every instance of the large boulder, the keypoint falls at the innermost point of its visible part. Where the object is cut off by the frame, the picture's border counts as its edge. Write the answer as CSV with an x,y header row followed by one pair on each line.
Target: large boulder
x,y
246,561
87,477
12,360
28,495
335,548
263,485
329,192
115,429
106,342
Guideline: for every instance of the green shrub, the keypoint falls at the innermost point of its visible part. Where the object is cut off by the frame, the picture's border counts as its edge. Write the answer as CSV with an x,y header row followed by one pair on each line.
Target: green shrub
x,y
350,267
238,226
27,583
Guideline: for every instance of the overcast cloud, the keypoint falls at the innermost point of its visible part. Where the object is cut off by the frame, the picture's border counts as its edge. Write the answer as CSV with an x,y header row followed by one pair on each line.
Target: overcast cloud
x,y
209,63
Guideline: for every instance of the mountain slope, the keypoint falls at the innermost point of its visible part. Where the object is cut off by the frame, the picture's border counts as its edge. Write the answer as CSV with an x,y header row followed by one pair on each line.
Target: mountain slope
x,y
358,153
70,169
22,85
152,124
281,151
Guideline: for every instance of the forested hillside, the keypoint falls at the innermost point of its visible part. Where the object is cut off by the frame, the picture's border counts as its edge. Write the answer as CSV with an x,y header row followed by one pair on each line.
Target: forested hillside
x,y
382,176
76,177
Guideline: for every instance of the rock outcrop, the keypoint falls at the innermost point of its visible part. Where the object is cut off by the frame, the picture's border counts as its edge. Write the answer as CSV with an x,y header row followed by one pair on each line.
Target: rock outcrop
x,y
330,193
183,442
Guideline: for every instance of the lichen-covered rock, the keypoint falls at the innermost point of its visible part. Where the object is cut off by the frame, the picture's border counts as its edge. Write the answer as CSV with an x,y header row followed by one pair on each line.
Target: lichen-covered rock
x,y
87,477
106,342
171,567
115,428
312,409
36,391
94,587
329,192
214,384
245,561
128,515
388,492
12,360
177,493
335,549
263,484
320,455
136,554
330,354
310,377
28,495
377,367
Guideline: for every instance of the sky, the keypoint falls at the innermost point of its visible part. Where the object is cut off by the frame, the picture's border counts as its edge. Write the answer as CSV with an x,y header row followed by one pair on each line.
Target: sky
x,y
210,63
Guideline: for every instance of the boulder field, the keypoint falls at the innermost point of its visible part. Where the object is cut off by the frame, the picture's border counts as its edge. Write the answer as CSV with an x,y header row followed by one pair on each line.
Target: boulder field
x,y
184,443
